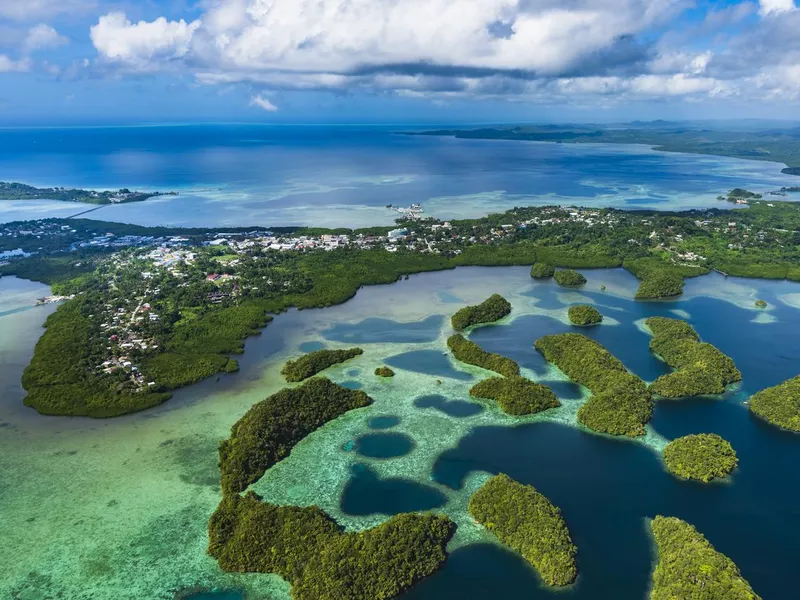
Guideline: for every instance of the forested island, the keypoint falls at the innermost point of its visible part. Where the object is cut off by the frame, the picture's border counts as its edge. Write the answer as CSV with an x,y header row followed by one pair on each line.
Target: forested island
x,y
321,561
490,310
471,353
620,403
268,431
158,308
20,191
527,522
312,363
516,396
542,270
305,546
689,567
701,457
779,405
569,278
384,372
700,368
583,315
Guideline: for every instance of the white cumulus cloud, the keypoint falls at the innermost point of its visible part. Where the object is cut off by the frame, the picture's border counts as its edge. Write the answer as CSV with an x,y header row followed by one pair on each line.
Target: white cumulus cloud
x,y
263,102
526,49
8,65
143,45
42,37
775,6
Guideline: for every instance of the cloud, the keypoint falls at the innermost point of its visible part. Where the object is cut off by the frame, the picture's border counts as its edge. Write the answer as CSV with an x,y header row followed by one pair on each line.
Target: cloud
x,y
8,65
142,46
32,10
42,37
534,50
769,7
263,103
542,37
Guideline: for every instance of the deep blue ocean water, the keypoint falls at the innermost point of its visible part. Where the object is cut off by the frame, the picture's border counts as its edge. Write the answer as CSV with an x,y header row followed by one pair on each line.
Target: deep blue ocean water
x,y
345,175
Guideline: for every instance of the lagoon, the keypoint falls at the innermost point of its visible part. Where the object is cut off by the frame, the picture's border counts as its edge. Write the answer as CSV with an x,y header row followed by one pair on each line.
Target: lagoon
x,y
118,508
343,176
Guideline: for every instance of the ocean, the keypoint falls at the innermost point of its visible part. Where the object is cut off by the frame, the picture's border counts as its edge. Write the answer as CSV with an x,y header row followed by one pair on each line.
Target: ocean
x,y
344,176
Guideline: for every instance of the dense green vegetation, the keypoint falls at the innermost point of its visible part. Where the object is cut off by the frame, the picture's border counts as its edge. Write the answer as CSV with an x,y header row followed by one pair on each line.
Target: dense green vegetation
x,y
700,367
583,314
527,522
779,405
471,353
384,371
569,278
321,562
516,395
56,378
702,457
312,363
20,191
620,403
765,242
659,278
490,310
541,270
761,304
268,431
689,566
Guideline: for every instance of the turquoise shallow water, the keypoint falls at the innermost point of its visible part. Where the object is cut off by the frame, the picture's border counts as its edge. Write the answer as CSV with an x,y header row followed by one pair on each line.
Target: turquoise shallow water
x,y
345,175
118,509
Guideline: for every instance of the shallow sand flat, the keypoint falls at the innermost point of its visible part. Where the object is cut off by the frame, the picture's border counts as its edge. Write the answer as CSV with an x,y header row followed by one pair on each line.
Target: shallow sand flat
x,y
119,508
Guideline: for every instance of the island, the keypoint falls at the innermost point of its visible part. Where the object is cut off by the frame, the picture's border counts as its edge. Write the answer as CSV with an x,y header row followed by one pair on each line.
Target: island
x,y
268,431
384,372
308,549
156,308
779,405
583,314
516,396
569,278
700,367
761,304
490,310
688,566
701,457
541,270
471,353
20,191
620,403
528,523
315,362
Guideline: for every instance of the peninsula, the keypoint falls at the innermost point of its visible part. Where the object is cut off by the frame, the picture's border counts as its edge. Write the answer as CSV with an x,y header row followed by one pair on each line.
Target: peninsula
x,y
781,146
21,191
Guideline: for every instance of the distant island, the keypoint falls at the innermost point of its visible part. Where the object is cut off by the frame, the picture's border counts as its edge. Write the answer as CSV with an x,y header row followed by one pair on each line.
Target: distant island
x,y
21,191
781,146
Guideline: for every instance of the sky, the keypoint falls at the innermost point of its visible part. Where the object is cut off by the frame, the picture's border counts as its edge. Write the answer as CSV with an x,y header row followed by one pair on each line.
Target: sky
x,y
437,61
